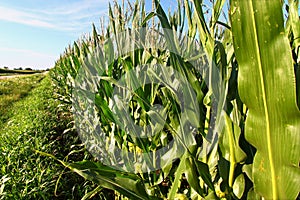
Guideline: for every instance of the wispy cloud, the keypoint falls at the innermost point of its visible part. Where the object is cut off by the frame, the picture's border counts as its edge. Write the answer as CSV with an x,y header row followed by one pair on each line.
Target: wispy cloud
x,y
76,7
21,17
75,16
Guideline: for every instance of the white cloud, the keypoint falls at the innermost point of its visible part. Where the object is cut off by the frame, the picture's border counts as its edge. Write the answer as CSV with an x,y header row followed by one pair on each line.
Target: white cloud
x,y
76,16
12,15
75,7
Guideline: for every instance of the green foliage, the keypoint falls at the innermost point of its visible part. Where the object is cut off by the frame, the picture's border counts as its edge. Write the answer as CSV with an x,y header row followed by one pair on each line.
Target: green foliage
x,y
34,123
14,89
252,65
268,90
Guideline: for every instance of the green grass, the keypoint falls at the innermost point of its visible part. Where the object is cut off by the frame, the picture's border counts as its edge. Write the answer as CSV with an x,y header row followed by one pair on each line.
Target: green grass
x,y
37,124
14,89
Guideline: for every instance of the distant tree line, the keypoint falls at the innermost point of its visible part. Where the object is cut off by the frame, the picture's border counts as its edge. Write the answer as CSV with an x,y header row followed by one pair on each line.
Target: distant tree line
x,y
20,68
6,69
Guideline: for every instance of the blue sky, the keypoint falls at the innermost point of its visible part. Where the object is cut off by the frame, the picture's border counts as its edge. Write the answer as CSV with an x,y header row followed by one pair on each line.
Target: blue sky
x,y
33,33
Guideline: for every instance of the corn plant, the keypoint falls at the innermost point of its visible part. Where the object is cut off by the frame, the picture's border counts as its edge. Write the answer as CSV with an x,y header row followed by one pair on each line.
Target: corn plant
x,y
242,77
273,118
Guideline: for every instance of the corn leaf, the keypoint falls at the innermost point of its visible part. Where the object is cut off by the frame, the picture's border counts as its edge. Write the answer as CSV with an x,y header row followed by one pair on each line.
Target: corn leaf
x,y
266,84
127,184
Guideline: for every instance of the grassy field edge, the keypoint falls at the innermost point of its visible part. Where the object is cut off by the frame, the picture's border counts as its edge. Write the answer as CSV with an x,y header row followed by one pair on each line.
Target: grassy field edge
x,y
37,124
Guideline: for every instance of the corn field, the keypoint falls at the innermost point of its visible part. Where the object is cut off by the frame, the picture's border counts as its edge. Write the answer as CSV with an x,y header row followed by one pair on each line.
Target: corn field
x,y
198,102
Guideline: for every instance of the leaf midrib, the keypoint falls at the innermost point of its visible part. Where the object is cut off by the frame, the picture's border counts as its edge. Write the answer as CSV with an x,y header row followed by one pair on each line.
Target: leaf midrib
x,y
262,84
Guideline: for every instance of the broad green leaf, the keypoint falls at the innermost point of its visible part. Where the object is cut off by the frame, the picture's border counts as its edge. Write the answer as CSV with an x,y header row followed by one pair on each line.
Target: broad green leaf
x,y
266,84
203,171
217,11
178,175
239,186
229,141
204,33
247,169
127,184
229,145
192,176
95,36
148,17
